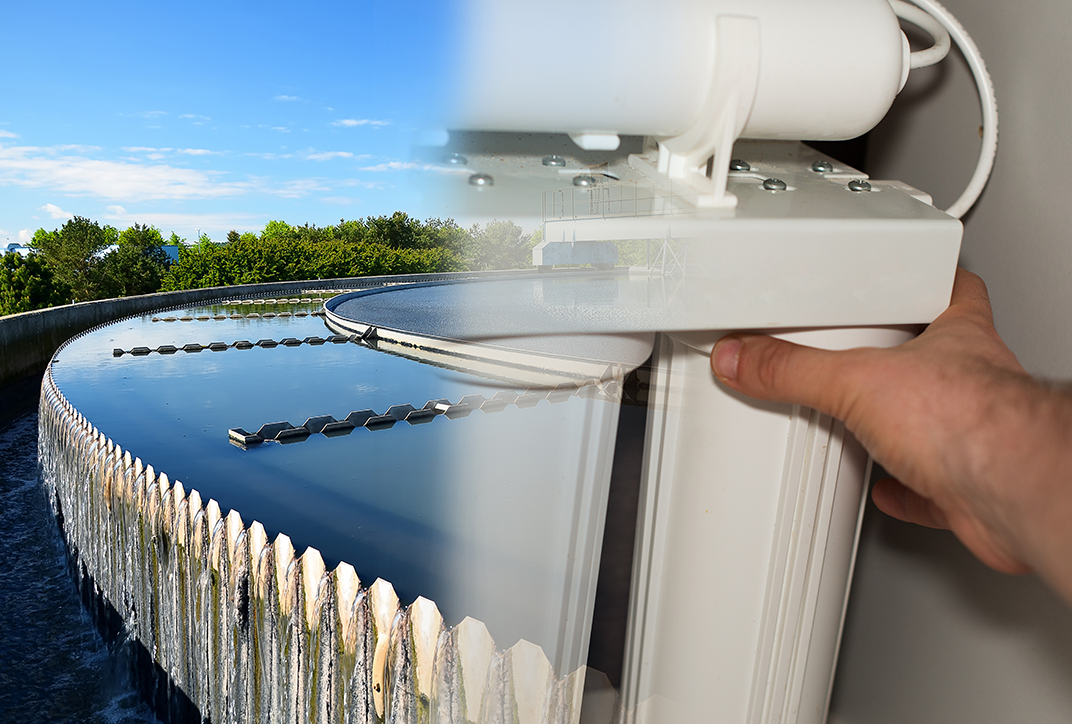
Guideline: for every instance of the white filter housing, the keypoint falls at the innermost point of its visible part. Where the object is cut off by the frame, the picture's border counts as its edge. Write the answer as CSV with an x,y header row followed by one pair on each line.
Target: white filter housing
x,y
785,69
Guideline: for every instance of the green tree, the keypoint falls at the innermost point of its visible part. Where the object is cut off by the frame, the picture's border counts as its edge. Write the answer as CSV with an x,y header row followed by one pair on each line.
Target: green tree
x,y
446,234
28,283
137,265
277,231
398,231
75,253
500,245
396,244
255,260
353,232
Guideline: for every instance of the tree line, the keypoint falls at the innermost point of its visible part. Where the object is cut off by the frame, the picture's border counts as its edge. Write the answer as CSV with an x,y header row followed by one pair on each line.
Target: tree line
x,y
84,260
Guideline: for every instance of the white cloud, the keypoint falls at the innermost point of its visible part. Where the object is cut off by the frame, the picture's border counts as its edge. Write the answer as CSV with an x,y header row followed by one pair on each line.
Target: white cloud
x,y
54,150
394,166
413,166
286,99
195,117
4,232
151,114
7,134
359,183
328,155
80,175
25,235
158,153
281,129
126,182
352,122
340,200
174,221
269,156
56,212
301,187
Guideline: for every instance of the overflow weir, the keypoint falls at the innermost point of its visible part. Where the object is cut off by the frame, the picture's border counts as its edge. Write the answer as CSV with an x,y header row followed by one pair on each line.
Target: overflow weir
x,y
233,624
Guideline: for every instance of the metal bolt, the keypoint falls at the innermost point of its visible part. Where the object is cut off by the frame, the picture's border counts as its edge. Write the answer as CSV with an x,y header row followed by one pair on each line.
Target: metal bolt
x,y
457,159
584,181
859,185
822,167
553,161
774,184
481,179
737,164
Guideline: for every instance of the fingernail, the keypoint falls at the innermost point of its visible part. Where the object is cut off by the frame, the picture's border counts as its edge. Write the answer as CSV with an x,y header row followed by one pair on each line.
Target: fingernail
x,y
724,358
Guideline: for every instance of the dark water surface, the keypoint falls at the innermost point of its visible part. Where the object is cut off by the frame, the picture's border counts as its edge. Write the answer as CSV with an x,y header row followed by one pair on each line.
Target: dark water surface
x,y
54,667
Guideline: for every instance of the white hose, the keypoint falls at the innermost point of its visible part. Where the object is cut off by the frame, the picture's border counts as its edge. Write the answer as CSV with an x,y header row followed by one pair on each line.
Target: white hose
x,y
925,22
987,101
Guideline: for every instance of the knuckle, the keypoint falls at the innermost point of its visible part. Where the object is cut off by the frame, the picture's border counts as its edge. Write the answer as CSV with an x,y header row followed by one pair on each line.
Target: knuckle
x,y
770,366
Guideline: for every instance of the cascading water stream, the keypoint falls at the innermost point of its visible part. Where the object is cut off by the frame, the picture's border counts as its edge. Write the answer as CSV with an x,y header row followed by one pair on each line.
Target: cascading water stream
x,y
54,667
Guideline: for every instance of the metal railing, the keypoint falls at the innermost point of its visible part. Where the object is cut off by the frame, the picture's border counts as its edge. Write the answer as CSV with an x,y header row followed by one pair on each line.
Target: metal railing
x,y
614,200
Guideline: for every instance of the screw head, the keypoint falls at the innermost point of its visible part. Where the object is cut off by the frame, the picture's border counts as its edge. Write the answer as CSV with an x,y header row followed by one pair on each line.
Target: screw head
x,y
858,185
737,164
481,179
822,167
774,184
584,181
557,161
457,159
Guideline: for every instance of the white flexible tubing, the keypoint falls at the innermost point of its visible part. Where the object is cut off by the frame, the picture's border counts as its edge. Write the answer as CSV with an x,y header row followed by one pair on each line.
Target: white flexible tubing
x,y
925,22
987,101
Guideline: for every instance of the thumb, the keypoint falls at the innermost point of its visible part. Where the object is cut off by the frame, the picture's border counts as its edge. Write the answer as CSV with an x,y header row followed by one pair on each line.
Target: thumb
x,y
772,369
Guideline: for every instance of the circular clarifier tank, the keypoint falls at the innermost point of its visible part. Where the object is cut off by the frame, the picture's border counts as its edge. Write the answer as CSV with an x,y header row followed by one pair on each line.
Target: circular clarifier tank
x,y
471,469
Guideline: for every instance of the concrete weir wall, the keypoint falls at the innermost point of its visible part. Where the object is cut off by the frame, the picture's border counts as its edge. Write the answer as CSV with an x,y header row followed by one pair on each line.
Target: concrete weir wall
x,y
240,628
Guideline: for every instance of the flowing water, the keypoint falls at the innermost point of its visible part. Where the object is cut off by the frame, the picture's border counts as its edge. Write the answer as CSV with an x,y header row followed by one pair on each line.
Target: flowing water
x,y
54,667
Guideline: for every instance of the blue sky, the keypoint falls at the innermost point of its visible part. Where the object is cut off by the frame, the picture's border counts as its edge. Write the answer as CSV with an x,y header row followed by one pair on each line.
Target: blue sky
x,y
214,116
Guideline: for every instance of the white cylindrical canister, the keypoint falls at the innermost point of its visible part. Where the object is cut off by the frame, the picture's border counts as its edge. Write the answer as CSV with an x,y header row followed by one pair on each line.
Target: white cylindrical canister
x,y
827,69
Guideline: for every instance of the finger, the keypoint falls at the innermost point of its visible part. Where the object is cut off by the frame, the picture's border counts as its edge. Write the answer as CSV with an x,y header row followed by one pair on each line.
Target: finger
x,y
773,369
897,501
970,296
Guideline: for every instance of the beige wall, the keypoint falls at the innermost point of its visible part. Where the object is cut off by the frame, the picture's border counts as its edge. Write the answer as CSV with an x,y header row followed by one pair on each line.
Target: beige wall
x,y
933,636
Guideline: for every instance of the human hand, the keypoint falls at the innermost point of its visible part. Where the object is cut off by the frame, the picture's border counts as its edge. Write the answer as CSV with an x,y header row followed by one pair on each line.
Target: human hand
x,y
942,413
